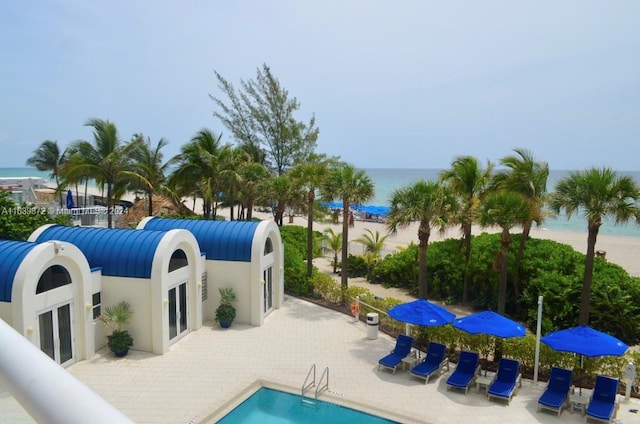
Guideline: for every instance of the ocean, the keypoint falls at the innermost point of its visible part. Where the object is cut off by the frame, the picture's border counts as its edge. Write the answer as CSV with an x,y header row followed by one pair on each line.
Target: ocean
x,y
386,180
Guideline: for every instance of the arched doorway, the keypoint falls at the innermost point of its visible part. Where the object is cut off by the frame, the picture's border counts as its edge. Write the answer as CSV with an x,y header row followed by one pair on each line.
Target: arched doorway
x,y
55,323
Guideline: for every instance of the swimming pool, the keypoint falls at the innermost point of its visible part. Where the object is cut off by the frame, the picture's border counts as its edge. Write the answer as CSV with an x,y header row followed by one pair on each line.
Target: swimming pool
x,y
270,406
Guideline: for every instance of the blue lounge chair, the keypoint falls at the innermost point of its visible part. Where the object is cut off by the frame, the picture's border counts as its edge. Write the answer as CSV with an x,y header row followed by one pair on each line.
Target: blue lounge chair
x,y
433,363
602,406
466,371
402,349
555,395
507,380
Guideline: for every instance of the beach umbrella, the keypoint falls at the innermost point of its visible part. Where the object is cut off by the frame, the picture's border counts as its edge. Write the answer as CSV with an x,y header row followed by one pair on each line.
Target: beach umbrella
x,y
491,324
585,341
70,204
421,312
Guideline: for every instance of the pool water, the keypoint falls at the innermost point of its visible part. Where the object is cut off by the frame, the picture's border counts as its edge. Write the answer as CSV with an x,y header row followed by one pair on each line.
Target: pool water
x,y
269,406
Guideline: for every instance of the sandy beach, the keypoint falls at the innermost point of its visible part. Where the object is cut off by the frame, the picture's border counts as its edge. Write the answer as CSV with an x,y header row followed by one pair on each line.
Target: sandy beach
x,y
623,251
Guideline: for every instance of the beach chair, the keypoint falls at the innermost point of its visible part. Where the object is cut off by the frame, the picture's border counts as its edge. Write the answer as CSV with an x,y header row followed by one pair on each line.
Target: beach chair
x,y
402,349
434,362
506,381
466,371
555,395
602,405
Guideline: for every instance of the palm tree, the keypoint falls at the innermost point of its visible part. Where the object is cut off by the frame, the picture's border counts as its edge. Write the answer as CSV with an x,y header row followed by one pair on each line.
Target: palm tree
x,y
47,157
469,182
504,209
598,193
308,177
334,245
231,160
353,187
430,204
278,190
254,177
528,177
197,170
373,243
148,162
107,161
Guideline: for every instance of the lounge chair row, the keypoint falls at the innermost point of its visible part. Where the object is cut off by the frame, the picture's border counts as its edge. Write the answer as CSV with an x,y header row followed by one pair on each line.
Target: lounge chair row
x,y
602,404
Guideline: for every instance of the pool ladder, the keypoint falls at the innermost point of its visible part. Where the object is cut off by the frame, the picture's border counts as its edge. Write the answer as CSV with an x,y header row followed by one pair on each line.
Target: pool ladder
x,y
310,384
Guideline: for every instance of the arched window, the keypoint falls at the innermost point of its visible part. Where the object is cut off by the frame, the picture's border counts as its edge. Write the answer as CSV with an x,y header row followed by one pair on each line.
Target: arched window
x,y
53,277
268,246
178,260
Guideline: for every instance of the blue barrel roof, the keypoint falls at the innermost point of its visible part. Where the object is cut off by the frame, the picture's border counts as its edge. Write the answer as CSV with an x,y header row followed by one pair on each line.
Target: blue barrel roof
x,y
11,255
119,252
220,240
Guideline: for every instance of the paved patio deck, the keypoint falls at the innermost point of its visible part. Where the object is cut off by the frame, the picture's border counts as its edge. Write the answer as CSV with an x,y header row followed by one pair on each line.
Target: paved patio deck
x,y
208,368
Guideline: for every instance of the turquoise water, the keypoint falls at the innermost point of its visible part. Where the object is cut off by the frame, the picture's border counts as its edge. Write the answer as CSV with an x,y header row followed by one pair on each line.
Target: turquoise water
x,y
268,406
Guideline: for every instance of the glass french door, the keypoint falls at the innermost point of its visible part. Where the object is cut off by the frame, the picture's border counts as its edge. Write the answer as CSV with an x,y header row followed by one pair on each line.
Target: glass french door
x,y
177,310
56,333
267,289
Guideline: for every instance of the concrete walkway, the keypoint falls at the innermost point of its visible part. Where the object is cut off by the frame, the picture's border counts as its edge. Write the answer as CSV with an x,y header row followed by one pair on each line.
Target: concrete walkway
x,y
207,369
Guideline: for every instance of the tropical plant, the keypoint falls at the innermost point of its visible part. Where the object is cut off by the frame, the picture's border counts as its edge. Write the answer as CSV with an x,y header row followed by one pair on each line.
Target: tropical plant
x,y
197,170
262,115
148,161
598,193
528,177
48,157
333,246
116,318
504,209
353,187
468,181
373,242
254,177
278,190
428,203
308,177
108,161
226,312
18,222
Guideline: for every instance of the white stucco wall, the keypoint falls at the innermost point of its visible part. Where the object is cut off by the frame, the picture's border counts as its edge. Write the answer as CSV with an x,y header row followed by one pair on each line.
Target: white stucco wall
x,y
26,305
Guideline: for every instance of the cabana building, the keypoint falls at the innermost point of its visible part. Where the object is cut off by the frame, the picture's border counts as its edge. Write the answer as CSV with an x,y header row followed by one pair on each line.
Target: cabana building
x,y
245,256
157,272
46,295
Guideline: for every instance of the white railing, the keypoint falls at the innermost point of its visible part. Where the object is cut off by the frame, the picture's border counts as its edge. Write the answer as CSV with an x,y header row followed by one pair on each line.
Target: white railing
x,y
44,389
321,388
308,384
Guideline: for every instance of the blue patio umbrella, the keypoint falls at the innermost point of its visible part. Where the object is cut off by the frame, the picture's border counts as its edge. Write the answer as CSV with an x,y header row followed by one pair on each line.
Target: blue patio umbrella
x,y
421,312
584,341
491,324
70,204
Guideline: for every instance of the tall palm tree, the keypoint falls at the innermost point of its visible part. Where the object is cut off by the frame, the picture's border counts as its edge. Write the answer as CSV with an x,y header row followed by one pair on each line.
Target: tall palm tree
x,y
278,190
254,177
598,193
148,161
308,177
107,161
469,181
231,160
353,187
48,157
197,169
504,209
334,245
430,204
528,177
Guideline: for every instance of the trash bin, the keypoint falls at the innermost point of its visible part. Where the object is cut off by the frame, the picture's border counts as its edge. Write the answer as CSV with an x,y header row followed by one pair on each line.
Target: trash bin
x,y
373,321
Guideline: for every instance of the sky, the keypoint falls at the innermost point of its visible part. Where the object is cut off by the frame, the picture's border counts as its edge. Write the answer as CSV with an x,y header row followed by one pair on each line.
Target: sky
x,y
392,84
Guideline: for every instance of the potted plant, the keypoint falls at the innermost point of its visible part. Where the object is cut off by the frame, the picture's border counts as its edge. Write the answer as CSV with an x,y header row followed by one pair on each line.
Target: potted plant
x,y
115,318
226,313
